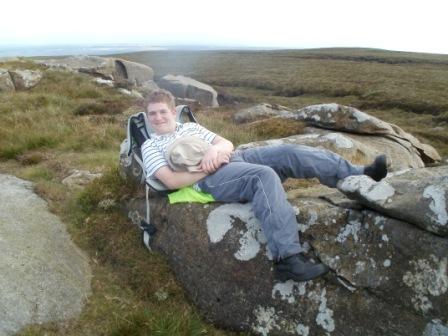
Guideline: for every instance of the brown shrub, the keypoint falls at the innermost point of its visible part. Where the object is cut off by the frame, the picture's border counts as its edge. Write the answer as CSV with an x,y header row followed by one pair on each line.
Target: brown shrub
x,y
276,128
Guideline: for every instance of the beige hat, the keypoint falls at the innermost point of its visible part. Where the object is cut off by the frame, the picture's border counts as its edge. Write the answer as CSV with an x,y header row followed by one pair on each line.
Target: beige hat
x,y
185,153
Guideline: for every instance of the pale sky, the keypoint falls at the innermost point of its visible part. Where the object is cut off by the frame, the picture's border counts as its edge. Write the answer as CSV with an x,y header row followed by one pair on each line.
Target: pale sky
x,y
396,25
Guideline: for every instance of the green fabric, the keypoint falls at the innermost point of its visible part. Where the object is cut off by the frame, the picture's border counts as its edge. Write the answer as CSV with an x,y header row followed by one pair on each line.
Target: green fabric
x,y
189,195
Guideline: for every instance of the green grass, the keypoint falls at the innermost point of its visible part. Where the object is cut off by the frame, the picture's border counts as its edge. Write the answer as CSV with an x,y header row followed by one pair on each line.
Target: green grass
x,y
68,107
67,121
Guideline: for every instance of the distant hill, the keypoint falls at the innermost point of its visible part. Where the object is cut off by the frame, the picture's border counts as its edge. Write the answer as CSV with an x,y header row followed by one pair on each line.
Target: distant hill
x,y
62,50
102,49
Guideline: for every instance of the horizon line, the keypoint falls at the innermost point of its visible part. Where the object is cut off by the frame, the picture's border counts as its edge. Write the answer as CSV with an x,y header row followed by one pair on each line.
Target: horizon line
x,y
141,47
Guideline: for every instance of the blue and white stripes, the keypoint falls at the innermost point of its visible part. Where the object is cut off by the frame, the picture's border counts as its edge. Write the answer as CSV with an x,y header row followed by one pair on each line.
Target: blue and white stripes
x,y
153,149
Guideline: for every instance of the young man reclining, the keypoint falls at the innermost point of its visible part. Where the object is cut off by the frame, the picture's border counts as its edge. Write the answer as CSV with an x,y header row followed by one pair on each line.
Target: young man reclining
x,y
253,175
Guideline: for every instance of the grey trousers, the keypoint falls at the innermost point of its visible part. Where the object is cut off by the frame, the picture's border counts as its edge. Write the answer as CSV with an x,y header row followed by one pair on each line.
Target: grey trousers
x,y
256,174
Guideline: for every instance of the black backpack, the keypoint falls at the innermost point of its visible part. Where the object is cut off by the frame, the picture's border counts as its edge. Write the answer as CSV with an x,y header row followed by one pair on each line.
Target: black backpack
x,y
131,161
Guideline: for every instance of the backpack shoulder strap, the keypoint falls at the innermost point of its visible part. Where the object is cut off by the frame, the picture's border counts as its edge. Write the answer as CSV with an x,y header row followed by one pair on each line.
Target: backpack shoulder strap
x,y
138,130
183,112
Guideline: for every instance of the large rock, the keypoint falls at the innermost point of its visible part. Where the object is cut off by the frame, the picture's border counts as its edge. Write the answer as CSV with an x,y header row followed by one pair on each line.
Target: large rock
x,y
356,136
25,79
44,276
417,196
115,69
6,83
100,66
387,276
261,111
348,119
353,147
185,87
135,73
343,118
149,86
388,270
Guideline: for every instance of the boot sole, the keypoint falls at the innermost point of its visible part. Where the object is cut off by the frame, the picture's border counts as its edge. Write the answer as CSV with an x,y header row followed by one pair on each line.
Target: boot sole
x,y
285,276
381,162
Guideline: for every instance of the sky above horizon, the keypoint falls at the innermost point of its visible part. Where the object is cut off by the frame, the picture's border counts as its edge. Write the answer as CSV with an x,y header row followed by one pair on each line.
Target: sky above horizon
x,y
394,24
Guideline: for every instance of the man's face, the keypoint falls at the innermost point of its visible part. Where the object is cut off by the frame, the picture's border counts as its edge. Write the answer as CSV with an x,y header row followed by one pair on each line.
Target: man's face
x,y
161,118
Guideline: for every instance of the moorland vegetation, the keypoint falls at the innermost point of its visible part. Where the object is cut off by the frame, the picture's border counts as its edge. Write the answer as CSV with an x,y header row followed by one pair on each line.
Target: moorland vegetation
x,y
67,121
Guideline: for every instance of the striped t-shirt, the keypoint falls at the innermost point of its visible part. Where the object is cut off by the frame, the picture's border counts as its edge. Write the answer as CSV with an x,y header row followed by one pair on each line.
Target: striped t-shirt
x,y
153,149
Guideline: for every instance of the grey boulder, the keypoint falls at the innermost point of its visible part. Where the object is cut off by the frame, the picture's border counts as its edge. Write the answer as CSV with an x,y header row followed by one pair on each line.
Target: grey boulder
x,y
388,276
185,87
418,196
90,64
132,72
261,111
348,119
115,69
25,79
6,83
361,149
377,283
44,276
356,136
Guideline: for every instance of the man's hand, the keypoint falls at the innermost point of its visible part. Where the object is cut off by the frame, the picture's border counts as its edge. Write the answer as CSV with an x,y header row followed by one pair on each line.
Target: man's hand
x,y
213,159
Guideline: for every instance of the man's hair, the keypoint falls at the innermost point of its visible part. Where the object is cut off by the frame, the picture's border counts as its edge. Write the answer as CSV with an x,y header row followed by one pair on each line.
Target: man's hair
x,y
160,96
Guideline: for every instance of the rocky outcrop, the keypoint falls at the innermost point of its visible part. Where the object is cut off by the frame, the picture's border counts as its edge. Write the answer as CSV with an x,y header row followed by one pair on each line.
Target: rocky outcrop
x,y
43,276
351,133
100,66
386,274
261,111
134,73
25,79
149,86
343,118
416,196
6,83
115,69
349,119
353,147
388,268
19,79
185,87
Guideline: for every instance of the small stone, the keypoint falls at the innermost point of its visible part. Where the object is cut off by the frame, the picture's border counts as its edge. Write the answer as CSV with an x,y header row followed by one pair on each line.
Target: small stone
x,y
161,295
107,204
79,179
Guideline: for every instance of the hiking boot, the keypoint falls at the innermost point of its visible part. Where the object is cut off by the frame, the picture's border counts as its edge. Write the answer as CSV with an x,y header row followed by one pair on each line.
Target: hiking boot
x,y
378,169
298,267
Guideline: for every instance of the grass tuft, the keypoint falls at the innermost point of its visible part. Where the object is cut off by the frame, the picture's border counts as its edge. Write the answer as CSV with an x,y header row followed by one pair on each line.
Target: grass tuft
x,y
275,128
111,106
111,186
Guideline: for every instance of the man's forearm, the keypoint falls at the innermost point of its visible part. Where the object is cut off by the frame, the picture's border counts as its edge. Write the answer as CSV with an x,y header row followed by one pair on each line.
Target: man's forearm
x,y
217,155
223,145
176,180
183,179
